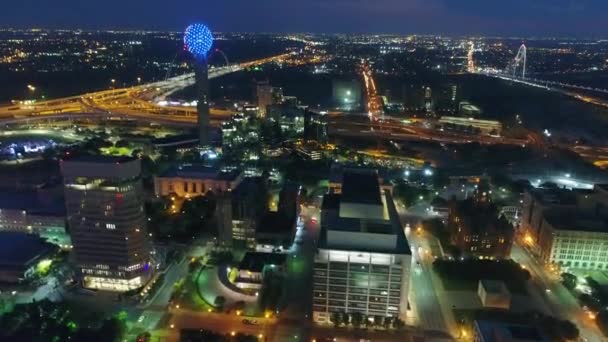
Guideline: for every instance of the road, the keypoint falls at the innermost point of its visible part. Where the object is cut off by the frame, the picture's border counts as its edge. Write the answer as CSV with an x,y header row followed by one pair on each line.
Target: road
x,y
559,300
136,100
373,102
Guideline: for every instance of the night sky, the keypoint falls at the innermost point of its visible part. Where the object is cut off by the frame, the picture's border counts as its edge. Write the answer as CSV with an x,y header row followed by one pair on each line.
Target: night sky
x,y
582,18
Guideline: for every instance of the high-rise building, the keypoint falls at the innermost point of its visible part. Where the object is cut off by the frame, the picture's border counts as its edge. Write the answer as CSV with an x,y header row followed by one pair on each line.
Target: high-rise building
x,y
363,260
238,210
267,95
428,99
104,202
315,127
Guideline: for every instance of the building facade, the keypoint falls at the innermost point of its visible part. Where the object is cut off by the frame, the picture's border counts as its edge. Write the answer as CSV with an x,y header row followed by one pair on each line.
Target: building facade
x,y
477,228
195,180
36,213
267,95
238,211
104,202
568,228
363,260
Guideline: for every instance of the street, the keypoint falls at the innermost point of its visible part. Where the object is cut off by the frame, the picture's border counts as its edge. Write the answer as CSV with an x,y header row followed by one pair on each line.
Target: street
x,y
559,300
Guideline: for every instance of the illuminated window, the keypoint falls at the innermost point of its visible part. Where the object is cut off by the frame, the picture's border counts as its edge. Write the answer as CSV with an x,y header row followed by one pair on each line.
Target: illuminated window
x,y
110,226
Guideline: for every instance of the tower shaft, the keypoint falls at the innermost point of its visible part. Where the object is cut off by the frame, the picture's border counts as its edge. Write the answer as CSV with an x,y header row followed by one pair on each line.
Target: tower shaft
x,y
202,91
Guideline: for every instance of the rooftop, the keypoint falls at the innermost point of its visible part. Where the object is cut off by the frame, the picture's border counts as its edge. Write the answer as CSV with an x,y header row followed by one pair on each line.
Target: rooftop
x,y
500,331
554,196
275,223
256,261
364,234
34,202
18,249
361,187
480,217
202,172
494,286
100,159
576,220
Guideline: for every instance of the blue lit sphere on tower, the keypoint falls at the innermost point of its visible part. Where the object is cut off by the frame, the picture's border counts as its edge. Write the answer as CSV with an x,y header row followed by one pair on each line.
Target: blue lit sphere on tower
x,y
198,40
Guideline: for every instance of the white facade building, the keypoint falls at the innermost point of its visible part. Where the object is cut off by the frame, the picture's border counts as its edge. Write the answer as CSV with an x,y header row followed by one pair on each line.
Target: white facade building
x,y
363,263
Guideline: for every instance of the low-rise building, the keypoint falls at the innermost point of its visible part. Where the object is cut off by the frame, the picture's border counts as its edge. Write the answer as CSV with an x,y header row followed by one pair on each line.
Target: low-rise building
x,y
494,294
363,260
471,125
19,255
252,267
35,212
190,180
477,229
493,331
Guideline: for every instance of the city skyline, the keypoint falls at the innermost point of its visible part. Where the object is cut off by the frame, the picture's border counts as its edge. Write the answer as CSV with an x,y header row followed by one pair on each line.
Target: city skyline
x,y
446,17
206,184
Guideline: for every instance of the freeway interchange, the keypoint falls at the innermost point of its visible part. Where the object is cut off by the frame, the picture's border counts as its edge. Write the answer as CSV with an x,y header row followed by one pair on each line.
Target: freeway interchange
x,y
140,101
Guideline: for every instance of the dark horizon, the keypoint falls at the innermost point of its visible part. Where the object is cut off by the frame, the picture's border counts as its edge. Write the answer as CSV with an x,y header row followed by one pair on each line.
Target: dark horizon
x,y
404,34
518,18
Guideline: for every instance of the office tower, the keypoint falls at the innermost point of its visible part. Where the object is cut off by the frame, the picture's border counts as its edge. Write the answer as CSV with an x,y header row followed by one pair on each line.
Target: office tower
x,y
315,127
104,203
363,262
428,99
238,210
267,95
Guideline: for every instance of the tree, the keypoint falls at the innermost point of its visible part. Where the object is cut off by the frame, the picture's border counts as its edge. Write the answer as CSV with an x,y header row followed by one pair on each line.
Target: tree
x,y
219,301
193,265
602,321
240,305
379,321
113,329
569,280
398,324
388,322
357,319
410,195
336,318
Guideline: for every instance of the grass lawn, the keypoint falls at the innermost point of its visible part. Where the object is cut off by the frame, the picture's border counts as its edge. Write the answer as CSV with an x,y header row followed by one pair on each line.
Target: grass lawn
x,y
116,151
189,295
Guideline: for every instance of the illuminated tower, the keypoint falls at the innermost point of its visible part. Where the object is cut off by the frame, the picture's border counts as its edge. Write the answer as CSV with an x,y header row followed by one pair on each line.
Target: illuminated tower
x,y
198,39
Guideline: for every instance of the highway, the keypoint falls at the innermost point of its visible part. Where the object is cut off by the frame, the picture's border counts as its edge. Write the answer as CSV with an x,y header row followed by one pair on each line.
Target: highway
x,y
373,102
141,100
557,87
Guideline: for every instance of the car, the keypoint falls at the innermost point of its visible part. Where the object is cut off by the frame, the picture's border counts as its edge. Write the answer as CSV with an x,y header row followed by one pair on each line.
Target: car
x,y
250,321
